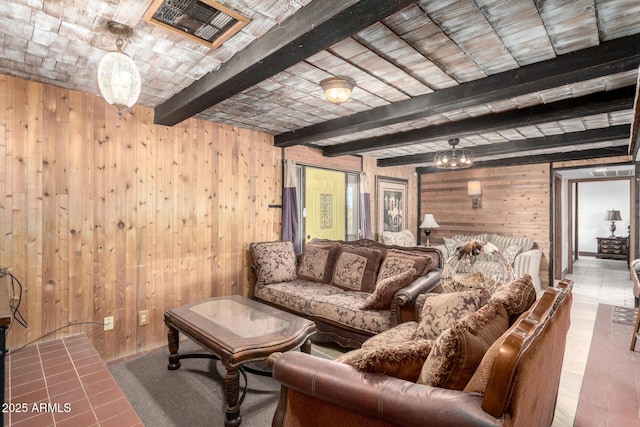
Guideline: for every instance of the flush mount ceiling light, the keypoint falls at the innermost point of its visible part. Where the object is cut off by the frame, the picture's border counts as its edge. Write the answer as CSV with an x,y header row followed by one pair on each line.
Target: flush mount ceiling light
x,y
118,76
337,89
454,158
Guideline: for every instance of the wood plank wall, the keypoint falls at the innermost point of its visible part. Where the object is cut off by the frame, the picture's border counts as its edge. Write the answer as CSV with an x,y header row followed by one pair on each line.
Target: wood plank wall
x,y
515,202
105,217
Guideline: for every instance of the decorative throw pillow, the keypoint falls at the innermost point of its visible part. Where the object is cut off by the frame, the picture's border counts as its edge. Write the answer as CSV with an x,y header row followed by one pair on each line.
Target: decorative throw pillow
x,y
399,360
382,295
395,262
458,351
356,269
517,296
440,311
510,253
317,262
402,332
275,262
480,379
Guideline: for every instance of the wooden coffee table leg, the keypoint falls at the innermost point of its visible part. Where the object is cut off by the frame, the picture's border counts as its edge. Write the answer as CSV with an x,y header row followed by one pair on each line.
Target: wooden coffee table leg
x,y
232,388
174,344
306,346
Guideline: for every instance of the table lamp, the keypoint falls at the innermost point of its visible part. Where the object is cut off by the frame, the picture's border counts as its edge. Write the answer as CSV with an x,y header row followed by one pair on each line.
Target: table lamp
x,y
613,216
428,223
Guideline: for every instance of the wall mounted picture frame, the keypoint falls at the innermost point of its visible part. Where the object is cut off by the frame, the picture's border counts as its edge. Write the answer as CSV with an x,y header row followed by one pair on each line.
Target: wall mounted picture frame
x,y
392,203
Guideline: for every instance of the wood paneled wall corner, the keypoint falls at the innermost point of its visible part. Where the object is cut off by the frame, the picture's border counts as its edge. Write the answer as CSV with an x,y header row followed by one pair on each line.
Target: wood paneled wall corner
x,y
105,217
515,202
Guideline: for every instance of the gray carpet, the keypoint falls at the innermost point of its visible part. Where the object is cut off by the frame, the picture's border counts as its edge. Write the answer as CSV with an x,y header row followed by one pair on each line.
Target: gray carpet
x,y
193,395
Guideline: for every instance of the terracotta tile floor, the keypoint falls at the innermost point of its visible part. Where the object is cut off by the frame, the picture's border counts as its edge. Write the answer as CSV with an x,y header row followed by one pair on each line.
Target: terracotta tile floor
x,y
63,383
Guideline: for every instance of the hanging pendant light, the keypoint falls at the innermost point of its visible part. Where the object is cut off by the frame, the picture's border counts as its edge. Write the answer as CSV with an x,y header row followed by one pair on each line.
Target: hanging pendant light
x,y
337,89
454,158
118,76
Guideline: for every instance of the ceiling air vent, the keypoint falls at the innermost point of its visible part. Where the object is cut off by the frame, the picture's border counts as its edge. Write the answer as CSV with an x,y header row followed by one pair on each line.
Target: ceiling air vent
x,y
205,21
605,173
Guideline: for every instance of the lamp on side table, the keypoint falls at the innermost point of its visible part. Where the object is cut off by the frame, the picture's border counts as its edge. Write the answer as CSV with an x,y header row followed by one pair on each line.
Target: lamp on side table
x,y
428,223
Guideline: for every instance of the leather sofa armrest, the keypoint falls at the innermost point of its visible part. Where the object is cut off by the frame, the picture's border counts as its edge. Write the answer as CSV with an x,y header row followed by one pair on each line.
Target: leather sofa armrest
x,y
391,399
403,303
528,262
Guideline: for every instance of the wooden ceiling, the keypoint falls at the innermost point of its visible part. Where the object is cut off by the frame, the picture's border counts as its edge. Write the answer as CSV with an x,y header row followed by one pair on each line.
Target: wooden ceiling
x,y
518,81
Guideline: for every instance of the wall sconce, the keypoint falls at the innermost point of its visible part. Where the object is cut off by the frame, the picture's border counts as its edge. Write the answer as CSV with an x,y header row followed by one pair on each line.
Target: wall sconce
x,y
475,191
428,223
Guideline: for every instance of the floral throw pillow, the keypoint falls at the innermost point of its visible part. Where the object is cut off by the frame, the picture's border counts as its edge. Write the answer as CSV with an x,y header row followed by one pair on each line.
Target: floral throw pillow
x,y
317,262
440,311
517,296
381,297
399,360
356,269
397,262
275,262
457,353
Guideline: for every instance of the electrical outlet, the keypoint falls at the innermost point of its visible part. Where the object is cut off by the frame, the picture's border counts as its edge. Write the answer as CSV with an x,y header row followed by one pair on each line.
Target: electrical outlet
x,y
108,323
143,317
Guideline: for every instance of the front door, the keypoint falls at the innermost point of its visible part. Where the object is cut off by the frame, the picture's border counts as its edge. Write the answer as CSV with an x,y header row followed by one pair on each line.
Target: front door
x,y
325,204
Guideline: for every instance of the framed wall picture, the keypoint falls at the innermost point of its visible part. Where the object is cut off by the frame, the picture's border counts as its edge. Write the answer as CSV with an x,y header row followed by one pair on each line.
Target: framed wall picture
x,y
392,203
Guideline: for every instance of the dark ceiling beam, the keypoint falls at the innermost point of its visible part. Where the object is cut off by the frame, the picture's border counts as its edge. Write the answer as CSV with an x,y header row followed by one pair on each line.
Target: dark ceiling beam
x,y
591,136
597,103
612,57
621,150
313,28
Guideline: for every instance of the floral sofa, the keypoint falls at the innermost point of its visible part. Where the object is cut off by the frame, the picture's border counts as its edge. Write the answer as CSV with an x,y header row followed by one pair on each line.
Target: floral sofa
x,y
518,251
468,361
352,290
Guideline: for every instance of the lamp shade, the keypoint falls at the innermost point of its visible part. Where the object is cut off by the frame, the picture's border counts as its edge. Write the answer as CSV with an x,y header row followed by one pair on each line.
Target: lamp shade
x,y
119,80
473,188
613,215
429,222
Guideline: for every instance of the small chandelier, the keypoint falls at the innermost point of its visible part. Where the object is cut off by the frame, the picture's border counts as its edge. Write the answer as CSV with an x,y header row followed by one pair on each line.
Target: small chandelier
x,y
453,159
118,76
337,89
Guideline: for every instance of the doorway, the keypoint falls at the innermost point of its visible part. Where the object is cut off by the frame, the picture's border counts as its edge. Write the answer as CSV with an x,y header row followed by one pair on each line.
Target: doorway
x,y
329,200
582,197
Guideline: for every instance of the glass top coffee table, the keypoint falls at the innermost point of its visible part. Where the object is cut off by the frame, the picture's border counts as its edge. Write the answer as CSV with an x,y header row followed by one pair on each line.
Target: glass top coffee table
x,y
237,331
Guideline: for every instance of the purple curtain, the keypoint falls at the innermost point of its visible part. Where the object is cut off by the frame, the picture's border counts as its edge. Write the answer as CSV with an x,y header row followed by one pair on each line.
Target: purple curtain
x,y
290,226
365,207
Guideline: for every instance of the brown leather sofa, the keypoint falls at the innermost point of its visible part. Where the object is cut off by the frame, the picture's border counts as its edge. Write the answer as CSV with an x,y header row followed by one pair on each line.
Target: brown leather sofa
x,y
521,388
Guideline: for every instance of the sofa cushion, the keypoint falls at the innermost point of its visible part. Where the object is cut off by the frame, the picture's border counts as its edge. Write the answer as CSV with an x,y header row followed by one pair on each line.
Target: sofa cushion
x,y
400,333
440,311
517,296
356,268
400,360
275,262
344,309
395,262
457,352
385,290
317,262
511,252
296,295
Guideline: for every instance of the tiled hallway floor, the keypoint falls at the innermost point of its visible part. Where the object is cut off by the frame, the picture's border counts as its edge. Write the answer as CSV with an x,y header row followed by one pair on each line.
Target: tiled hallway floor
x,y
596,281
